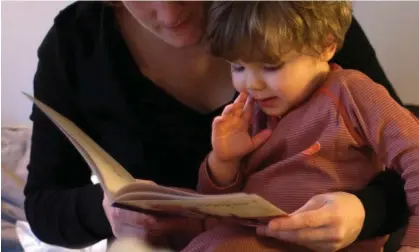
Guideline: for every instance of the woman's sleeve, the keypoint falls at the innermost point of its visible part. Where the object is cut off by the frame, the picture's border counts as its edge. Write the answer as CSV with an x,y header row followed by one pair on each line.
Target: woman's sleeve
x,y
357,53
62,206
386,208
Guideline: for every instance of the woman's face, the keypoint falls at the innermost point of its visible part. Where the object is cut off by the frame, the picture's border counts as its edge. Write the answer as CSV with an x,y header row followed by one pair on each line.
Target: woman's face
x,y
179,24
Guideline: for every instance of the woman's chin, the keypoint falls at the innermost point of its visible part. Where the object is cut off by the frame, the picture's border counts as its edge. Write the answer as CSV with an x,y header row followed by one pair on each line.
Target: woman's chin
x,y
183,38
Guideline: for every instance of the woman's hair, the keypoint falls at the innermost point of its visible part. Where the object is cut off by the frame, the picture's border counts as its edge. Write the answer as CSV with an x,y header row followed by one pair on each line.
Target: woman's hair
x,y
265,30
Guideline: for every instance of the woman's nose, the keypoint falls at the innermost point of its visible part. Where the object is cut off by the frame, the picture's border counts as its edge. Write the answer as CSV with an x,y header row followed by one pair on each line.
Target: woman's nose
x,y
169,13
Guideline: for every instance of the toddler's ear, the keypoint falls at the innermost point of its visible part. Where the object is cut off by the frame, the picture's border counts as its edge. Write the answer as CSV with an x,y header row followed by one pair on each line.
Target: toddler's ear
x,y
330,50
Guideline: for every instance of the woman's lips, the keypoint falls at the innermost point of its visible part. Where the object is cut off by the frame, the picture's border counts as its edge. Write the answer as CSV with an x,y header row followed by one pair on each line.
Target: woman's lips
x,y
180,23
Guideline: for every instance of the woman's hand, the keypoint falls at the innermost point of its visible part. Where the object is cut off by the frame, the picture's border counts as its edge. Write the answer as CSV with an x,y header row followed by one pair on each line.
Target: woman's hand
x,y
174,232
408,249
127,223
327,222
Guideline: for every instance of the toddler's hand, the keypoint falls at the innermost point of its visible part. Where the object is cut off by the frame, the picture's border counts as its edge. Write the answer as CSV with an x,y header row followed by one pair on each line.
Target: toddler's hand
x,y
231,140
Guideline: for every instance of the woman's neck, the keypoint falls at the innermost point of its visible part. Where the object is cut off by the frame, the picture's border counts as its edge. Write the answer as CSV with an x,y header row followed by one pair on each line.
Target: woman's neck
x,y
188,74
148,49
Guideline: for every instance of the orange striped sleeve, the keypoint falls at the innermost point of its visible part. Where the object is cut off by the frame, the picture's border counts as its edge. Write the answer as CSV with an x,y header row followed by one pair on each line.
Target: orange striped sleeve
x,y
392,132
206,184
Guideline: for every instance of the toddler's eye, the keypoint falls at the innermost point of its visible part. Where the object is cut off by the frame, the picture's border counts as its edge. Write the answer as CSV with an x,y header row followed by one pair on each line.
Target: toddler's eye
x,y
236,68
271,68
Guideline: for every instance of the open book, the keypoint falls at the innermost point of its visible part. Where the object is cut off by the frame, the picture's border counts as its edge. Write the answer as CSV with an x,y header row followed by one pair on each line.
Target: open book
x,y
126,192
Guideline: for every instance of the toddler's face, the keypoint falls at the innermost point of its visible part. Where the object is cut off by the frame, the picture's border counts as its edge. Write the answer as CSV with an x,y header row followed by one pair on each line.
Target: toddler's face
x,y
279,87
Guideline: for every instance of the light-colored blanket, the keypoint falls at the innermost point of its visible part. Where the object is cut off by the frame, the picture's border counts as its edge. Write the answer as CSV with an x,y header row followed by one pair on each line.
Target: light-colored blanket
x,y
16,234
15,149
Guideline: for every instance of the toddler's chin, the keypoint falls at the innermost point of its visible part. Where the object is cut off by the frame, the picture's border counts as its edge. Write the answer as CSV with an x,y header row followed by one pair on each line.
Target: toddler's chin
x,y
277,112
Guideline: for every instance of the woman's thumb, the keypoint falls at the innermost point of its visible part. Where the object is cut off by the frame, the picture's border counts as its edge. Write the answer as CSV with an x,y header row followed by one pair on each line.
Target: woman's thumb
x,y
314,203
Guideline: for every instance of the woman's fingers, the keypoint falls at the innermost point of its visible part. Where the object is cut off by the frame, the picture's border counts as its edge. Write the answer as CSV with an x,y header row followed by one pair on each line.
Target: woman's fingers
x,y
304,236
123,229
310,219
125,217
314,203
408,249
327,238
327,222
315,213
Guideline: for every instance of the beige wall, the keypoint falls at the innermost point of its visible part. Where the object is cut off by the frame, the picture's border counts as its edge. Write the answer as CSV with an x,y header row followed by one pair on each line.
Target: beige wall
x,y
392,27
22,29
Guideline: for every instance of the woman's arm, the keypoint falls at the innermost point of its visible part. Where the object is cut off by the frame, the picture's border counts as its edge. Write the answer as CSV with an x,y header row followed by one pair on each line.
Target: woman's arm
x,y
384,201
62,206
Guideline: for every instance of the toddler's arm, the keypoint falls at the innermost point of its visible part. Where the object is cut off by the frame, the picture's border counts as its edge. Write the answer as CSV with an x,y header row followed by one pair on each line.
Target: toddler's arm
x,y
392,132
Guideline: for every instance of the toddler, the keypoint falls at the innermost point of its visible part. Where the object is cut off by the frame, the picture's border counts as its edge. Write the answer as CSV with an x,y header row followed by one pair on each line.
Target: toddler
x,y
300,126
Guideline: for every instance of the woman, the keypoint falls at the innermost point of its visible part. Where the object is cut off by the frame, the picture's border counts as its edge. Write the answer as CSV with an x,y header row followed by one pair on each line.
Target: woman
x,y
135,77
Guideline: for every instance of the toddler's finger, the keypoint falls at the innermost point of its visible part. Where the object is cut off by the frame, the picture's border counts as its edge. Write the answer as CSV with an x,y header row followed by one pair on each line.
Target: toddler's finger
x,y
248,108
228,110
238,109
241,98
218,120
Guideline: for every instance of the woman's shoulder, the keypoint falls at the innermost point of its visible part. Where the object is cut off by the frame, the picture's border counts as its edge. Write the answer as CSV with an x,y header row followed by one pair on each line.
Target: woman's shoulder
x,y
77,28
81,15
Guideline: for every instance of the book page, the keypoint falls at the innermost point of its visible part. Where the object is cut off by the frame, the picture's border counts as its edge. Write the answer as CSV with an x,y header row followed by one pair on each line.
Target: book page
x,y
233,205
144,195
137,186
111,174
